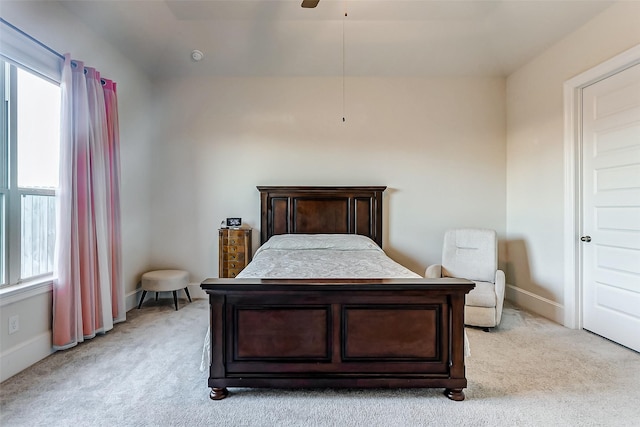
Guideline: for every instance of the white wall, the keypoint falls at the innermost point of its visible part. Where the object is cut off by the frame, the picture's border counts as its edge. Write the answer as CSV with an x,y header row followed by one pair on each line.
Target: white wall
x,y
535,157
55,27
438,144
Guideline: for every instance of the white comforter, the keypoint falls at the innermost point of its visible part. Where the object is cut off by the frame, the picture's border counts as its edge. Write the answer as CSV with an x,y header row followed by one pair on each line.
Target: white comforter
x,y
336,256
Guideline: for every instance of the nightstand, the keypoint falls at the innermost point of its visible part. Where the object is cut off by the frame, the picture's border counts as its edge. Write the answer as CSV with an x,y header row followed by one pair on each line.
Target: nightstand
x,y
234,250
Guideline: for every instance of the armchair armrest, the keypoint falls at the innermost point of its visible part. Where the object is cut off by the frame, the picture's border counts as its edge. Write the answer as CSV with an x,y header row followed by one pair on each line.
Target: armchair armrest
x,y
433,272
500,290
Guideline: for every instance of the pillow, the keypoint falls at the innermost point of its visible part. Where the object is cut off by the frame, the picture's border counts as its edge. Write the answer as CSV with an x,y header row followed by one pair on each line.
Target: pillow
x,y
338,242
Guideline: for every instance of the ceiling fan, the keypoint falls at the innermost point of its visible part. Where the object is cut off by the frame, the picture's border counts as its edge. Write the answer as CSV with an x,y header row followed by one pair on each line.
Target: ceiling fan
x,y
309,3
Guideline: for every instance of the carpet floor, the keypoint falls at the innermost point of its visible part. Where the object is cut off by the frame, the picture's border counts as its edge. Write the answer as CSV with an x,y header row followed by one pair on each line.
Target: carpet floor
x,y
145,372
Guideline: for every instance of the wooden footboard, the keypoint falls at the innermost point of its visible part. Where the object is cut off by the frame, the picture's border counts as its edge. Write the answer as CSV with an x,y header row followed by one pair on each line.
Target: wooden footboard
x,y
356,333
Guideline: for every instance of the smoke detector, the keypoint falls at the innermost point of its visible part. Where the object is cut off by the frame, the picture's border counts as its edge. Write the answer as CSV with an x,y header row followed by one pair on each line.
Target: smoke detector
x,y
196,55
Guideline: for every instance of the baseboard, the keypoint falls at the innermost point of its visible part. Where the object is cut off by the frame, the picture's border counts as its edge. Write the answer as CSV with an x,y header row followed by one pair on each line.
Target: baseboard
x,y
24,355
131,299
535,303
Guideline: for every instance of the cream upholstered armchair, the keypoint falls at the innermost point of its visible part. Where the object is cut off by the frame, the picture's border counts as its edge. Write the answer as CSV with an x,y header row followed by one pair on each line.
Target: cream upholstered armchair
x,y
472,254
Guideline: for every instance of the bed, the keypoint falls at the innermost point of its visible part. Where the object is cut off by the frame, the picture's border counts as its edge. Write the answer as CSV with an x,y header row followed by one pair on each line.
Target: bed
x,y
289,327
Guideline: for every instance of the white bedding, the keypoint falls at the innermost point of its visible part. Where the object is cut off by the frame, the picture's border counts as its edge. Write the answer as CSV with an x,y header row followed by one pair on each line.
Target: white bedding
x,y
335,256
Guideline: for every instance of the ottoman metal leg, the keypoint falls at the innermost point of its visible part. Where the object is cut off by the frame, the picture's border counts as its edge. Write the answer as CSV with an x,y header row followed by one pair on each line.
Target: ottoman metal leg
x,y
175,299
186,291
144,293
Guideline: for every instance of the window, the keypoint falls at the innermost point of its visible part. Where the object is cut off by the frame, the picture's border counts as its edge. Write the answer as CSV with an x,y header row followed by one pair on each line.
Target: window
x,y
30,126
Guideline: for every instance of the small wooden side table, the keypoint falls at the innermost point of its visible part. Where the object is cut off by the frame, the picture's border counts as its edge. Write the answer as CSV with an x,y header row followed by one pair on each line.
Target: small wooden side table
x,y
234,250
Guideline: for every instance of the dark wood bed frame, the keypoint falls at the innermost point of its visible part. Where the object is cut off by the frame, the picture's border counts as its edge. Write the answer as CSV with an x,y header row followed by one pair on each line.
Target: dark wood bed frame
x,y
315,333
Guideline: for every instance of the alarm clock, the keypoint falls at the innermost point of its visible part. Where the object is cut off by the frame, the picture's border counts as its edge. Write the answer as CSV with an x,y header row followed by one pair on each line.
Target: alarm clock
x,y
234,222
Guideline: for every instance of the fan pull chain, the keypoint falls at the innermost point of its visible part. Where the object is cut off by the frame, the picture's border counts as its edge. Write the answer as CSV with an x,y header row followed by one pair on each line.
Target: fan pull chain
x,y
343,56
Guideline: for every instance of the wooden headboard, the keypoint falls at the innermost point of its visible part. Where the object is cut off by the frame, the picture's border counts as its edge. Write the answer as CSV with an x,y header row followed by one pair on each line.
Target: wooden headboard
x,y
313,210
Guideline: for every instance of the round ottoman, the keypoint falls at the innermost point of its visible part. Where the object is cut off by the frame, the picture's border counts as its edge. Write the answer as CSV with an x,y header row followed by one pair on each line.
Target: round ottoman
x,y
165,281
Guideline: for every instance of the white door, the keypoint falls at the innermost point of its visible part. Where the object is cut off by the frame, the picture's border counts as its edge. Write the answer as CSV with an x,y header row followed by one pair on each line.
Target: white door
x,y
611,207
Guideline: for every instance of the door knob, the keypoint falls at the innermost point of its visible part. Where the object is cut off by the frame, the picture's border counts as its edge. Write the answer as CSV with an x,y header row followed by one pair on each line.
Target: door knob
x,y
586,238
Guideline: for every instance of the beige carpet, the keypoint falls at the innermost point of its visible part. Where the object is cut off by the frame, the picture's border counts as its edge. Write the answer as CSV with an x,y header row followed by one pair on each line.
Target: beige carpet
x,y
528,372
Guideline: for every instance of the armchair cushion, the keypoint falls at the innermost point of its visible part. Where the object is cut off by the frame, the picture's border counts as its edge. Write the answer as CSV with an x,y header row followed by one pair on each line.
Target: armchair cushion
x,y
470,254
483,295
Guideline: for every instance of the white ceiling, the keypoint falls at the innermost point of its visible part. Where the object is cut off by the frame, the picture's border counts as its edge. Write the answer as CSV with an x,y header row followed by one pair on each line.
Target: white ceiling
x,y
376,38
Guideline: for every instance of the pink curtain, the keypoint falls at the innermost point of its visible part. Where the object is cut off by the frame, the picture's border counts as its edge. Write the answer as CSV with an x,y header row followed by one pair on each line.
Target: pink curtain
x,y
88,292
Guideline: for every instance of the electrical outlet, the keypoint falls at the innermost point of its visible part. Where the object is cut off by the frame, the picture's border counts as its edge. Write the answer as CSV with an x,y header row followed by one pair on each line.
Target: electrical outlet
x,y
14,324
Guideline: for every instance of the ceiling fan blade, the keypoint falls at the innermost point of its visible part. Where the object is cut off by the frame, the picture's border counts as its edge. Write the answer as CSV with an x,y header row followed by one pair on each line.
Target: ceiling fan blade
x,y
309,3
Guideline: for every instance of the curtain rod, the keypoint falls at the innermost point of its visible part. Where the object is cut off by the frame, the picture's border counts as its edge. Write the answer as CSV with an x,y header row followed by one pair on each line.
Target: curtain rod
x,y
32,38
